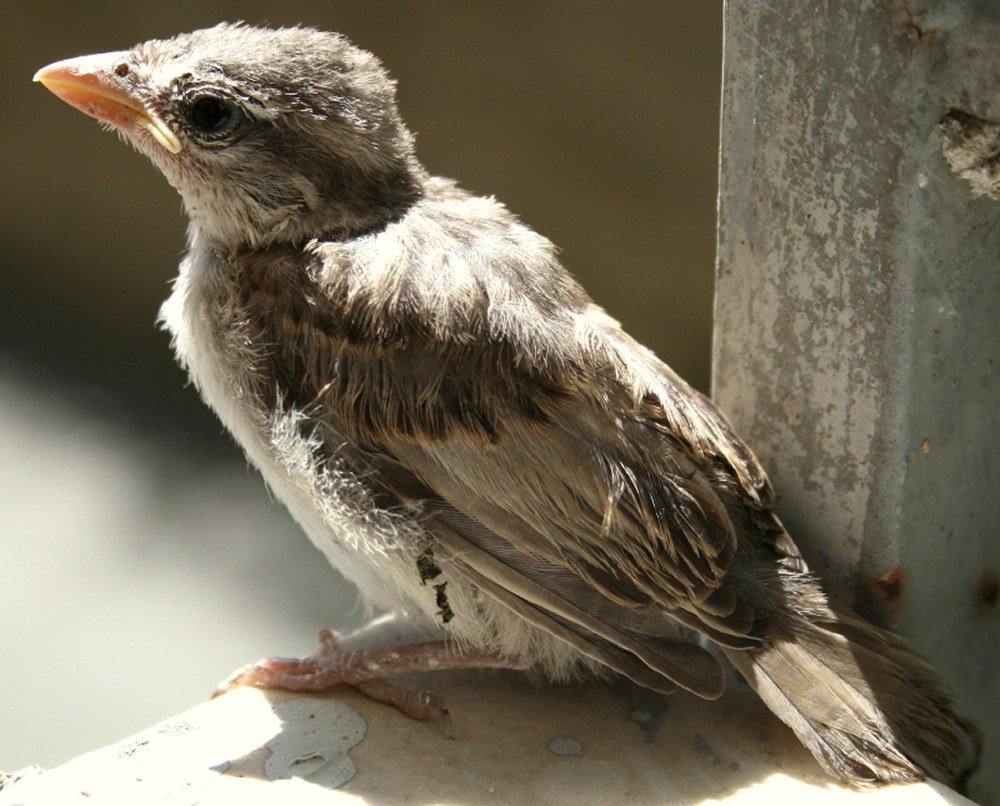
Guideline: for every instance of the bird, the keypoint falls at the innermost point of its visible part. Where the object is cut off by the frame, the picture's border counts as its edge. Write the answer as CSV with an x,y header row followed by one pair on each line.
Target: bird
x,y
461,430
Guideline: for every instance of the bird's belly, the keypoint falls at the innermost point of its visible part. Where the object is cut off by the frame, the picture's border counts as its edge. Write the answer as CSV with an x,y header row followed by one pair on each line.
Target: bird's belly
x,y
374,548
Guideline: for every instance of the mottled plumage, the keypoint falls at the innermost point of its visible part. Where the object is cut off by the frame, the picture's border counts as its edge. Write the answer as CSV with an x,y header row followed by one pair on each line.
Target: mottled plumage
x,y
436,399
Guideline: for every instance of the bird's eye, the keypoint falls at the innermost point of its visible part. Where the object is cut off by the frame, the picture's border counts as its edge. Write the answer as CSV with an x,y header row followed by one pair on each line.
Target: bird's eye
x,y
213,116
210,113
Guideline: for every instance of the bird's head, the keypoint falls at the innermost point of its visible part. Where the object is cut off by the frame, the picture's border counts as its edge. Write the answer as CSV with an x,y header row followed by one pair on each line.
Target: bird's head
x,y
268,135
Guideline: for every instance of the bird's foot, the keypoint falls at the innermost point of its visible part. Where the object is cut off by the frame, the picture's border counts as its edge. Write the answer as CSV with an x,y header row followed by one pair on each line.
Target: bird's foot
x,y
366,669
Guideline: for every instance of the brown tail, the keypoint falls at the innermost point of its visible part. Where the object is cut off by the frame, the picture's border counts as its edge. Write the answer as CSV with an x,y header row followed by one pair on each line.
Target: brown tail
x,y
867,706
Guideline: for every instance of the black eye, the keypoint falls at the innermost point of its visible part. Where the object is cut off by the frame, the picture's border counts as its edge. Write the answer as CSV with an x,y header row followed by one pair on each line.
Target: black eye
x,y
213,115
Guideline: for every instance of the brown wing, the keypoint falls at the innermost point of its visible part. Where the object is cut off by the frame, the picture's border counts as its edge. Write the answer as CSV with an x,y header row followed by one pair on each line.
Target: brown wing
x,y
612,500
579,508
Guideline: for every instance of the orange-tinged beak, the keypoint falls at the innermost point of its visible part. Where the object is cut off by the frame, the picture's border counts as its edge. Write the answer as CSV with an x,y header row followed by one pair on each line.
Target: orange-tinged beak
x,y
89,84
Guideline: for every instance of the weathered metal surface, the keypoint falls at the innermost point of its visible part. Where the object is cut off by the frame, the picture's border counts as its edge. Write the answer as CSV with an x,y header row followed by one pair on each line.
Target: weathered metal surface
x,y
857,342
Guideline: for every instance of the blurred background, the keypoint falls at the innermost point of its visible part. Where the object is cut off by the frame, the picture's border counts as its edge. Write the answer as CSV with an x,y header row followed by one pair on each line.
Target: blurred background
x,y
142,560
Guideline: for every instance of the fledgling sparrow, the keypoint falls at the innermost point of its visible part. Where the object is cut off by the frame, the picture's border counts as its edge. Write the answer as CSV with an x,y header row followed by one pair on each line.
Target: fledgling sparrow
x,y
459,428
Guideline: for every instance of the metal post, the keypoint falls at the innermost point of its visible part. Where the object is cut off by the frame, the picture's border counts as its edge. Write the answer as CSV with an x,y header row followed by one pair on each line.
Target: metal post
x,y
857,341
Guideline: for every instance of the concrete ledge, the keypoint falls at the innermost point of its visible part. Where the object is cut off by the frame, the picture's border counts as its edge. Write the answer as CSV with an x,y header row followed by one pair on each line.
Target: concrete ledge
x,y
514,743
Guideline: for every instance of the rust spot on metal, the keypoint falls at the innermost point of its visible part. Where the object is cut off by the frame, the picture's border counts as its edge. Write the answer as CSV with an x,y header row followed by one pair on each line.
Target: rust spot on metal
x,y
927,36
986,595
890,585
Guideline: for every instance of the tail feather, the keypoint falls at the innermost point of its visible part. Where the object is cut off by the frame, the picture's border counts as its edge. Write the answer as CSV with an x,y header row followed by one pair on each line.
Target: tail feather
x,y
867,706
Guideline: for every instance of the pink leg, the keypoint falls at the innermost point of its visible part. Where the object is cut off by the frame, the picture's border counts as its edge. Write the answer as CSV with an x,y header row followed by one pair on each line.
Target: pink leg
x,y
365,670
329,642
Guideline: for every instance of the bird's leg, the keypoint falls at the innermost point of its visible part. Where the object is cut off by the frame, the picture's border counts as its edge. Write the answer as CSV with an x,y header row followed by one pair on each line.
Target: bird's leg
x,y
329,642
366,669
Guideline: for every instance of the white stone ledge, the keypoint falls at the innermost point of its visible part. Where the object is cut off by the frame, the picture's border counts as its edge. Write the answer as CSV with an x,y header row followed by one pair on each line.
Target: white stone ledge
x,y
514,743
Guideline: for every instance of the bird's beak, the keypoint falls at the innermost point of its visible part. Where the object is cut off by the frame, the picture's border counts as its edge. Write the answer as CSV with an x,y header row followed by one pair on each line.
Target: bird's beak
x,y
89,83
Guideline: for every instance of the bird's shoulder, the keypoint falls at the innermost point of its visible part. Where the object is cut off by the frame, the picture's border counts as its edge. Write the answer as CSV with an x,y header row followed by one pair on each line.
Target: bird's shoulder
x,y
455,269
